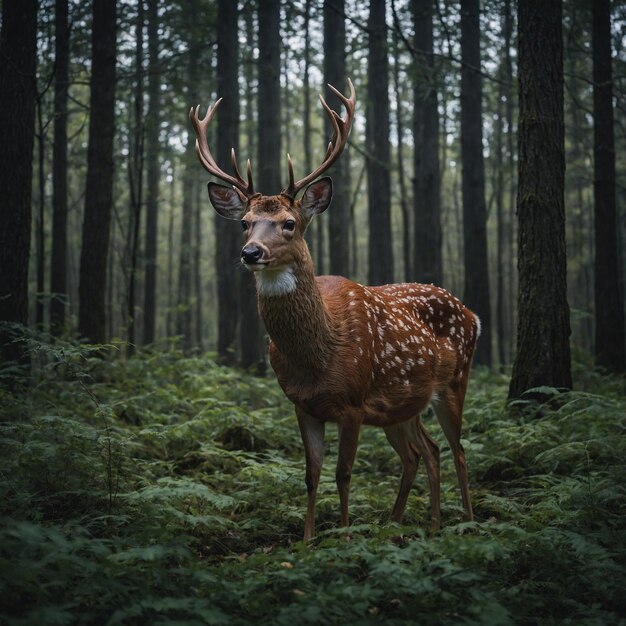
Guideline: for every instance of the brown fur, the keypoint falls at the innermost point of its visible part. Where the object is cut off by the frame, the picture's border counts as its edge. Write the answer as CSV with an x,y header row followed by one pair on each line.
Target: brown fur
x,y
354,355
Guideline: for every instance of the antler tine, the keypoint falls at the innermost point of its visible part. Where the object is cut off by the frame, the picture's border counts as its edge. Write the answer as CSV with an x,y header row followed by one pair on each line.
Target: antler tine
x,y
341,130
250,185
349,101
291,177
206,158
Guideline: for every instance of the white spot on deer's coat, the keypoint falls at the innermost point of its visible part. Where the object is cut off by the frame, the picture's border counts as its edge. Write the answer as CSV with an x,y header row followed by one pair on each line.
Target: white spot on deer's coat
x,y
478,326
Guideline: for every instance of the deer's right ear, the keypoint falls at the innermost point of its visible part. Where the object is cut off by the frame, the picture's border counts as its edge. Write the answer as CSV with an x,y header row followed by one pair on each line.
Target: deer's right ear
x,y
226,201
317,197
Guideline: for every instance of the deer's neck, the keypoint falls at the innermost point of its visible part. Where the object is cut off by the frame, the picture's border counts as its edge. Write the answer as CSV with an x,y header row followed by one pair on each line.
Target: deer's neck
x,y
294,314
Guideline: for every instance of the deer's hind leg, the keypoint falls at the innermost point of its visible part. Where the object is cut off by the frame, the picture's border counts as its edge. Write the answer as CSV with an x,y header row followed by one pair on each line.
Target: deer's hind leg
x,y
411,441
449,411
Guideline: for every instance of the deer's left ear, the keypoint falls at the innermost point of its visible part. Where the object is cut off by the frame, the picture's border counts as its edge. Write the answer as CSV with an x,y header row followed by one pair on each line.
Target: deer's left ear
x,y
317,197
227,201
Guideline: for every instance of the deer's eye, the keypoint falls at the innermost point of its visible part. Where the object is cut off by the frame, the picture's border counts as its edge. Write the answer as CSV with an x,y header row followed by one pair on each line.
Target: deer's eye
x,y
289,225
244,225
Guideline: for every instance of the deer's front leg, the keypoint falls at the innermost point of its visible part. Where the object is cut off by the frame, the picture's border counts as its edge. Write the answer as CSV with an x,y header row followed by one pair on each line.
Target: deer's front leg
x,y
312,431
348,443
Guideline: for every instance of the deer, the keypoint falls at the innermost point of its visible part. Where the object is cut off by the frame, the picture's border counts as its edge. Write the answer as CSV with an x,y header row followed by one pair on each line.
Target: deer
x,y
344,352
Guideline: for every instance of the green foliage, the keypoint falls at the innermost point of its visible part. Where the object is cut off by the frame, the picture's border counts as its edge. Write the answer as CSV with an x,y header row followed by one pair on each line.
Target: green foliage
x,y
169,490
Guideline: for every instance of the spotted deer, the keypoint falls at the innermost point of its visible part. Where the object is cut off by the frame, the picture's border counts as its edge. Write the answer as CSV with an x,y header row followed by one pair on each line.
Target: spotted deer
x,y
344,352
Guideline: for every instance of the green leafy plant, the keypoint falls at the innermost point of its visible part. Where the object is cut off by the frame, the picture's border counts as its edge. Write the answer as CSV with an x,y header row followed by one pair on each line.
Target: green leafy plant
x,y
169,490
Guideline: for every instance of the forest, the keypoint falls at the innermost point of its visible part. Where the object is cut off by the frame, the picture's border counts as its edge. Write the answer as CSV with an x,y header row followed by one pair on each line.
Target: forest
x,y
153,469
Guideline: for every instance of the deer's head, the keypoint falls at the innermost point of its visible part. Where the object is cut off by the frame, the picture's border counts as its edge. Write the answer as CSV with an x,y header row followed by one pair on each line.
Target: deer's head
x,y
274,226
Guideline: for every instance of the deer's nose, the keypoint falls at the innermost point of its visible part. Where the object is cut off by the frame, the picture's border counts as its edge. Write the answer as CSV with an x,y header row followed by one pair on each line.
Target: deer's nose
x,y
251,253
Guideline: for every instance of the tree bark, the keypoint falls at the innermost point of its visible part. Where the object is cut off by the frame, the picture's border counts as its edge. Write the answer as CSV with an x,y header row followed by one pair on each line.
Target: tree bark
x,y
610,347
335,74
252,350
99,185
58,263
184,319
153,147
404,202
17,127
227,242
268,165
380,249
40,243
543,353
428,262
135,171
476,295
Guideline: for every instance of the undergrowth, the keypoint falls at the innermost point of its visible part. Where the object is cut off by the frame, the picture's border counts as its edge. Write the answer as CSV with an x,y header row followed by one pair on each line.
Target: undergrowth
x,y
169,490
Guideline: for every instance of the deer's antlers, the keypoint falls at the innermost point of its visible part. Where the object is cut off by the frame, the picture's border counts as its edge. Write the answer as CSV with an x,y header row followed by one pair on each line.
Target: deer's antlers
x,y
341,130
206,158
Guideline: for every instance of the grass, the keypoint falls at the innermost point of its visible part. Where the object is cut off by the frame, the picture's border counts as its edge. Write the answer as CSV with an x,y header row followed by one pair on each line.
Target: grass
x,y
170,490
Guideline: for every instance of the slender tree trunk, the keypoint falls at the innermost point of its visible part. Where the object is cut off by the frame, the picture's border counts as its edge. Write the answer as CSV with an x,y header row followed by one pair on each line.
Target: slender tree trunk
x,y
380,248
99,185
185,304
251,343
306,130
227,242
40,223
17,127
58,264
543,354
197,270
135,171
500,166
500,227
153,147
404,202
610,346
184,319
335,74
512,174
476,295
171,318
269,98
427,184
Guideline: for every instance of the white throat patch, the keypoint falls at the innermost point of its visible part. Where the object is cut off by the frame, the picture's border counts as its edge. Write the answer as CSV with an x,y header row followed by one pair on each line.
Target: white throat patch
x,y
277,282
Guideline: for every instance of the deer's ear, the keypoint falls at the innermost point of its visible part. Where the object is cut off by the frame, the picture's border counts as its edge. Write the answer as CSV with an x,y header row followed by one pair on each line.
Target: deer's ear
x,y
317,197
226,201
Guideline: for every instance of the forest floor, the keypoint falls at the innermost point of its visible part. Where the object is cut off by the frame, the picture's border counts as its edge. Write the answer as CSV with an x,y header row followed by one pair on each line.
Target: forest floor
x,y
170,490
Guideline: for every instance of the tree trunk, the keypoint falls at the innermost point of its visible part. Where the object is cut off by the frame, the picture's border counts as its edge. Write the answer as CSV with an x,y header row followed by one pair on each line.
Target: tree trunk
x,y
335,74
503,251
476,295
58,264
380,249
17,126
99,185
135,172
171,300
306,124
153,147
427,184
197,269
184,319
252,352
404,202
610,348
268,165
227,241
40,242
511,169
543,353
